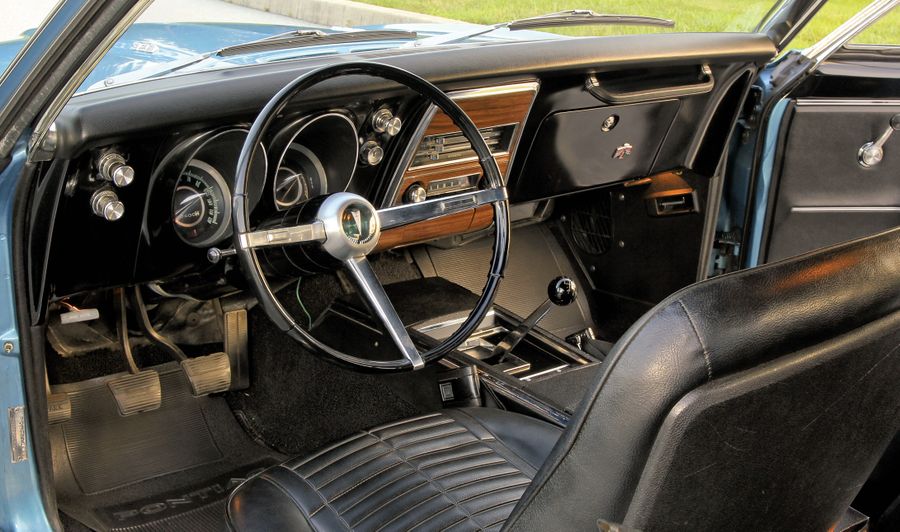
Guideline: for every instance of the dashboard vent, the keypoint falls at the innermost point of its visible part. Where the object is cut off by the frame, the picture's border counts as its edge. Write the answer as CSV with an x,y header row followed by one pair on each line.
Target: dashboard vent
x,y
449,147
592,228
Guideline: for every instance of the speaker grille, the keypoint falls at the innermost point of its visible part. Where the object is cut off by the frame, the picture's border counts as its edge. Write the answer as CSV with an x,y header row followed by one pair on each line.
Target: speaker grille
x,y
592,228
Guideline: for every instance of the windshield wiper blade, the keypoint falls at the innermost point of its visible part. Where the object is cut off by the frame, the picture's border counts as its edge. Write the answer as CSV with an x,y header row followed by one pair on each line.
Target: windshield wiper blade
x,y
583,17
301,39
571,17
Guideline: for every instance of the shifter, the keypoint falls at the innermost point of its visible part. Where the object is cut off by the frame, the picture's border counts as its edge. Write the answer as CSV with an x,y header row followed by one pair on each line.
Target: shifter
x,y
561,292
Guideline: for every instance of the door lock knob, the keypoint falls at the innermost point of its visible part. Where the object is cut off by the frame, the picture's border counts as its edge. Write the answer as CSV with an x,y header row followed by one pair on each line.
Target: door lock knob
x,y
871,153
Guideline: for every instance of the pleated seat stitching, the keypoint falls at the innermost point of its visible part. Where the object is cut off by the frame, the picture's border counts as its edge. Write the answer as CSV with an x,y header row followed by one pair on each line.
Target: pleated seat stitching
x,y
363,481
355,466
472,468
413,507
442,449
311,474
434,437
428,479
379,488
447,421
492,477
487,450
392,499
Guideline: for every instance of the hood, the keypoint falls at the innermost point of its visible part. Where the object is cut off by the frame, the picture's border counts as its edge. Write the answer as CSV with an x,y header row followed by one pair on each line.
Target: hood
x,y
146,49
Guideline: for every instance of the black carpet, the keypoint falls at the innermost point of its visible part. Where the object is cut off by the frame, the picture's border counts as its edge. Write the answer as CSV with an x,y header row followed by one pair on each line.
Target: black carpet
x,y
298,402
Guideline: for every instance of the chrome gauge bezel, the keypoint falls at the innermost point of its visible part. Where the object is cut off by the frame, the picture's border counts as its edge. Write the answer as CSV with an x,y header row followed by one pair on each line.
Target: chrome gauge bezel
x,y
213,153
294,133
224,211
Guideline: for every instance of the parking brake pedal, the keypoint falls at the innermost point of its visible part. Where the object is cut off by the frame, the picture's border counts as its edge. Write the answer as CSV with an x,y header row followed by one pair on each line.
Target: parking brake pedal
x,y
208,374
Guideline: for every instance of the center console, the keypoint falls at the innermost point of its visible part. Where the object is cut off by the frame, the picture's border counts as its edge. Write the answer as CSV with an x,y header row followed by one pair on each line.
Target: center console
x,y
519,364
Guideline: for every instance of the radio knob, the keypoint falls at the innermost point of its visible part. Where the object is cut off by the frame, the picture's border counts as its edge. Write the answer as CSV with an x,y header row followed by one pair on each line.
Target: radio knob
x,y
416,194
105,204
111,167
383,121
371,153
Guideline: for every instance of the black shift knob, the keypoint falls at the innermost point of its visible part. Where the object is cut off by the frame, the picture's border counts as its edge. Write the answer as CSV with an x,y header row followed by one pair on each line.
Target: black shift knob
x,y
562,291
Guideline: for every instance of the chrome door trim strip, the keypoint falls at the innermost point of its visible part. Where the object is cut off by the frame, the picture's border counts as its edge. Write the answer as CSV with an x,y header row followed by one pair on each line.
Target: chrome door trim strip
x,y
845,209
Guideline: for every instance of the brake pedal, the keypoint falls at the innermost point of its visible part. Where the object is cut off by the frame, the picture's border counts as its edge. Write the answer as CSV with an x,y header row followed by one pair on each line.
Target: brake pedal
x,y
136,392
208,374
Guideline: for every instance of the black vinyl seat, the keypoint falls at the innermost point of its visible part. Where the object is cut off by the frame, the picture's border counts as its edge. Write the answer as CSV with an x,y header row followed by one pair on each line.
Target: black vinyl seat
x,y
459,469
759,400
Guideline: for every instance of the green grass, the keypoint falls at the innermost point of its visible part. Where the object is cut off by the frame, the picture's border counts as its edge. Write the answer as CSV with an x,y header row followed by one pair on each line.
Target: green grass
x,y
689,15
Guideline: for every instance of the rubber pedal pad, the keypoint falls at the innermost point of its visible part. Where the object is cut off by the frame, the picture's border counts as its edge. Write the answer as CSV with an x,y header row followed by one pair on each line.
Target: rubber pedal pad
x,y
136,392
208,374
59,408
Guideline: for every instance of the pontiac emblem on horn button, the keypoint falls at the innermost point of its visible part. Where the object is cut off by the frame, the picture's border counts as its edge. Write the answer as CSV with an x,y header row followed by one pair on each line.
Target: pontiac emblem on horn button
x,y
357,223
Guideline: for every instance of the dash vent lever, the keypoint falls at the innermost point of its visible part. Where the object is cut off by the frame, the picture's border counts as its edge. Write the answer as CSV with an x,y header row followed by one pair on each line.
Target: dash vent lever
x,y
561,292
871,153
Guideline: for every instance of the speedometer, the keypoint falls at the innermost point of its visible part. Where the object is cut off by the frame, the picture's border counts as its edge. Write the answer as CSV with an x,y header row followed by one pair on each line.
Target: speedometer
x,y
201,205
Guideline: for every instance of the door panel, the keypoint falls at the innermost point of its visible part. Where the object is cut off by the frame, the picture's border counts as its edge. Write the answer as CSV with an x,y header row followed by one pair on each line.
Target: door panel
x,y
822,194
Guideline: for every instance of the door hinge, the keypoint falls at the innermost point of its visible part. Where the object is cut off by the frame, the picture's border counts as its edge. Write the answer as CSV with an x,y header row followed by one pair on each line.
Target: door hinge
x,y
726,250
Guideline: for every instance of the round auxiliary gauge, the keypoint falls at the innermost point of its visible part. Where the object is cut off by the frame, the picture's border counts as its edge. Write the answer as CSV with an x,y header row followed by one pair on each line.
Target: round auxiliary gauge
x,y
201,205
300,176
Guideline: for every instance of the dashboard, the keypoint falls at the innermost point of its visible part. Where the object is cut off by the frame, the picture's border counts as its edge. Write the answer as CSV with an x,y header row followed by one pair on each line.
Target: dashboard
x,y
177,140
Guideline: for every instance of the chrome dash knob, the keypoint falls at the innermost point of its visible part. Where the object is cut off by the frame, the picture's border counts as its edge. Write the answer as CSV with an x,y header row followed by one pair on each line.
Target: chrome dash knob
x,y
384,121
416,193
371,153
111,167
105,204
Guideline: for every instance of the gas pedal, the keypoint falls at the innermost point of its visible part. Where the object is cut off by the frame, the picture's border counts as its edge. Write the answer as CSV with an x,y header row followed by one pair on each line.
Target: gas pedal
x,y
208,374
136,392
59,408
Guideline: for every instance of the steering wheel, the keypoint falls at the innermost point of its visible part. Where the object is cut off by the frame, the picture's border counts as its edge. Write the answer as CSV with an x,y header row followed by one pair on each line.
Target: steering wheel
x,y
347,226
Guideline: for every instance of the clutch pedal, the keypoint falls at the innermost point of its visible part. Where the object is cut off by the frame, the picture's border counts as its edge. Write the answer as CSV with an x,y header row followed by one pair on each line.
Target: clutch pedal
x,y
136,392
208,374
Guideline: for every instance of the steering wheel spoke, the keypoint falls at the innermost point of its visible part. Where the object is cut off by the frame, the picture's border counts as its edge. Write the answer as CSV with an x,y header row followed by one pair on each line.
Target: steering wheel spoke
x,y
372,292
426,210
282,236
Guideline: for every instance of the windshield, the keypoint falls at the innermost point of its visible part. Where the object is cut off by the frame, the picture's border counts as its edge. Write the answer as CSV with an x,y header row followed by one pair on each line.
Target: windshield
x,y
179,36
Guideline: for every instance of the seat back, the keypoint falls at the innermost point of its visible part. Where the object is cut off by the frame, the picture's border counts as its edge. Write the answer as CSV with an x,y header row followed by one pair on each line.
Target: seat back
x,y
755,400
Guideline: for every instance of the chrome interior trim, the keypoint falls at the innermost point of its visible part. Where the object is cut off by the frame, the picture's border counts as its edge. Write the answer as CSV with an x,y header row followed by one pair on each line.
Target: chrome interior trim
x,y
282,236
409,153
442,206
845,209
310,122
554,415
373,292
835,40
841,102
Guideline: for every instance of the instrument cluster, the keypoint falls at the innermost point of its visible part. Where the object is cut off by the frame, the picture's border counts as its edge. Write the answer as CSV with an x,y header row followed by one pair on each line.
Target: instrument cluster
x,y
308,157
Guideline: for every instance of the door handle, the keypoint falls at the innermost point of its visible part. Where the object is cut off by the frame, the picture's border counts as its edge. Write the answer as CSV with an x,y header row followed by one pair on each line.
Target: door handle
x,y
871,153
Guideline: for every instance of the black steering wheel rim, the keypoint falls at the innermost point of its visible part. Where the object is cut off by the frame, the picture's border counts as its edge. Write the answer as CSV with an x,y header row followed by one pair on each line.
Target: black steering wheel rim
x,y
249,260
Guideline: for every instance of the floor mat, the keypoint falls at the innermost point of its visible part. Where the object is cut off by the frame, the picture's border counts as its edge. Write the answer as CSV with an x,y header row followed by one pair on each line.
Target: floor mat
x,y
535,257
169,469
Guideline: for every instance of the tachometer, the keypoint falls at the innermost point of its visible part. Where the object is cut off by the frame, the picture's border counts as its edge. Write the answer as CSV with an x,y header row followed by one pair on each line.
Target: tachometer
x,y
201,205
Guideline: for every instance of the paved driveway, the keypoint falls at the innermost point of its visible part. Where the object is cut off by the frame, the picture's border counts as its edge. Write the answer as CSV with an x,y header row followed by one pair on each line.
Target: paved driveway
x,y
19,15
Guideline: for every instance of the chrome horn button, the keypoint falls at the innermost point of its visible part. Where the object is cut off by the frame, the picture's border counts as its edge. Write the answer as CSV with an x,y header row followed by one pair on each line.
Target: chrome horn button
x,y
351,223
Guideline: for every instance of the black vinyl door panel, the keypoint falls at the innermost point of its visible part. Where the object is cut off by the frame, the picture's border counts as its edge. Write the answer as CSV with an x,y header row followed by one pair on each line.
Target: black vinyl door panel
x,y
822,195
